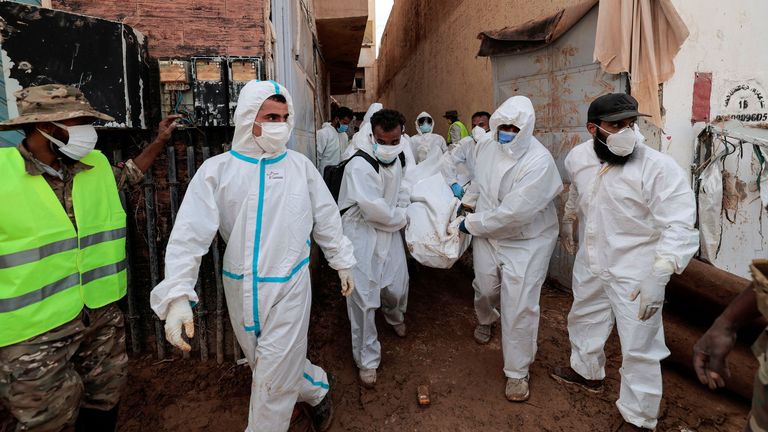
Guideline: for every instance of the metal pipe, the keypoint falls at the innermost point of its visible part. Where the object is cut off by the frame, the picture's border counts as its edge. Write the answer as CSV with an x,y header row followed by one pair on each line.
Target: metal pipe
x,y
200,310
154,268
132,318
216,258
173,187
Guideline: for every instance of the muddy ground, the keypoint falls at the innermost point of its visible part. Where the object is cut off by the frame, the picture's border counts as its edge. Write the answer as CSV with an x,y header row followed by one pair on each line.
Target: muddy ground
x,y
466,379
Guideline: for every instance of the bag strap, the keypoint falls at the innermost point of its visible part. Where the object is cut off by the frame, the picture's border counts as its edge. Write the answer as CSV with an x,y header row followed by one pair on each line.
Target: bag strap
x,y
371,160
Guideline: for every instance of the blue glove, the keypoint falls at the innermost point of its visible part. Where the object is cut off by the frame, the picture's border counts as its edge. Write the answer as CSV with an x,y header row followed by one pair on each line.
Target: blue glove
x,y
458,191
463,228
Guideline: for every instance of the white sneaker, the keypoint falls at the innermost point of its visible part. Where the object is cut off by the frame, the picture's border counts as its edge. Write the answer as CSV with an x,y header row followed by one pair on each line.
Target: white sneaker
x,y
517,389
368,377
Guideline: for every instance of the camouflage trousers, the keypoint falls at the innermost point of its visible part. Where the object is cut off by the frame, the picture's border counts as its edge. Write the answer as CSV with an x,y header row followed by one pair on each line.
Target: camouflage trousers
x,y
45,380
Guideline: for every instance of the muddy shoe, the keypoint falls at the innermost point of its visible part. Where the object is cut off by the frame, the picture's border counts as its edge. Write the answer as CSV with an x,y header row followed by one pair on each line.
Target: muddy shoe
x,y
629,427
483,334
399,329
517,389
322,413
368,378
567,375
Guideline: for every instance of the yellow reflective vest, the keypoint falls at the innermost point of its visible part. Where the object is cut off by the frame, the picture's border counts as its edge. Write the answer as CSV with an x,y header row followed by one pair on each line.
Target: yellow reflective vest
x,y
50,269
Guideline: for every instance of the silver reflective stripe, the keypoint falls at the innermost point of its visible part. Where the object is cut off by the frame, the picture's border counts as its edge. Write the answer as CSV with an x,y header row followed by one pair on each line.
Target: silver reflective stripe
x,y
100,272
102,237
36,254
15,303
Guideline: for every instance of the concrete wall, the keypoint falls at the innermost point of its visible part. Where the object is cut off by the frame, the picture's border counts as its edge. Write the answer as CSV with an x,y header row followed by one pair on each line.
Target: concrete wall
x,y
360,100
727,41
183,27
427,59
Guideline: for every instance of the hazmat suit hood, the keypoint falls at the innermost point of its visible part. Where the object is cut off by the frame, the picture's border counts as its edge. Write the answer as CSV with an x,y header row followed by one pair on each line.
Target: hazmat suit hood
x,y
373,109
362,139
422,115
518,111
249,102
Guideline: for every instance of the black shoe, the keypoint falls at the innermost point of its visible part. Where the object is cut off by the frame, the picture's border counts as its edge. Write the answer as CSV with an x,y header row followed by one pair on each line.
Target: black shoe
x,y
566,375
322,413
93,420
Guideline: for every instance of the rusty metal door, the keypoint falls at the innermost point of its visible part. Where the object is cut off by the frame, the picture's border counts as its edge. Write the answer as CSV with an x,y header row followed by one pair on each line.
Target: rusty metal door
x,y
561,80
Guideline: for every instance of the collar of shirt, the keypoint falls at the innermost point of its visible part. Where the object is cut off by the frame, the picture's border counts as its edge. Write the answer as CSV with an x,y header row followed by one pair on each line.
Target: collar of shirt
x,y
33,166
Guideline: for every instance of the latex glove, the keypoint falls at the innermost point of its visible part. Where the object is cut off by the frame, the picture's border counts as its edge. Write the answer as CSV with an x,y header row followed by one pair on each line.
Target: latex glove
x,y
710,352
458,191
179,315
463,228
347,282
566,237
651,292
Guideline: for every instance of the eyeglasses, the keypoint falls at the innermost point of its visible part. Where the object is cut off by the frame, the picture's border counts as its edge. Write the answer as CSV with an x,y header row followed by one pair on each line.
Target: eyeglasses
x,y
426,120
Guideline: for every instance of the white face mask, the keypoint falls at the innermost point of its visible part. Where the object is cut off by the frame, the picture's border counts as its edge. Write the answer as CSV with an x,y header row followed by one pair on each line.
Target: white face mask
x,y
477,133
387,154
82,140
621,143
274,137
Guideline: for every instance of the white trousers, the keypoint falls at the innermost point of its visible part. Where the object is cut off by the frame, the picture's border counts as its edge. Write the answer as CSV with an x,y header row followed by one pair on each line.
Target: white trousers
x,y
598,302
508,284
362,305
282,375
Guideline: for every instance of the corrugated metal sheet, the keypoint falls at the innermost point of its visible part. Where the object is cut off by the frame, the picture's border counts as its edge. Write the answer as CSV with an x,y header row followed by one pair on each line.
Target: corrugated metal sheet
x,y
561,80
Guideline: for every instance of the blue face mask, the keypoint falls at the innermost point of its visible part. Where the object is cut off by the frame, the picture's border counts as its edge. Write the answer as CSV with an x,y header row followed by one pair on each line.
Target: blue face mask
x,y
506,137
342,128
425,128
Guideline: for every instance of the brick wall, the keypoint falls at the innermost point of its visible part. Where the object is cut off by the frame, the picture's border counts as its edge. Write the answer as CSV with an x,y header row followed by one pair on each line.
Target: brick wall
x,y
185,27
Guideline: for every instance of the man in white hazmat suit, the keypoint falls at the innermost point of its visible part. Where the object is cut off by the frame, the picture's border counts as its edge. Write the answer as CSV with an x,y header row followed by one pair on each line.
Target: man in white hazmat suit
x,y
636,214
514,232
362,137
266,201
374,214
459,159
331,138
426,144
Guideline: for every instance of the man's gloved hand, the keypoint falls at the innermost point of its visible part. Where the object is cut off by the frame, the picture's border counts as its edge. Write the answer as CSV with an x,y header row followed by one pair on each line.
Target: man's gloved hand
x,y
566,237
651,292
347,282
458,191
179,314
710,353
463,227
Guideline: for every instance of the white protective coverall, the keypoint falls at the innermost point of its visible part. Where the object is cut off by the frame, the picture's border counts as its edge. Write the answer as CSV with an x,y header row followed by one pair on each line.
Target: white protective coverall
x,y
425,145
377,212
630,216
515,230
460,157
343,143
328,147
266,207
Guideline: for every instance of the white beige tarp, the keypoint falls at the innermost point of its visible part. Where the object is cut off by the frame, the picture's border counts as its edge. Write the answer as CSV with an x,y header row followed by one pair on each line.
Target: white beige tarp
x,y
641,37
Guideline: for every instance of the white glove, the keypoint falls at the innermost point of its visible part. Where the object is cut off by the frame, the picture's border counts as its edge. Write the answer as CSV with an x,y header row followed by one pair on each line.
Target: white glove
x,y
179,314
566,237
347,282
652,291
453,227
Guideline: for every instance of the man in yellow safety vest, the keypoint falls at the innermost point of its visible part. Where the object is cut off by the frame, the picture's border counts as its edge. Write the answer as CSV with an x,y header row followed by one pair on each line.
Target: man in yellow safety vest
x,y
63,264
